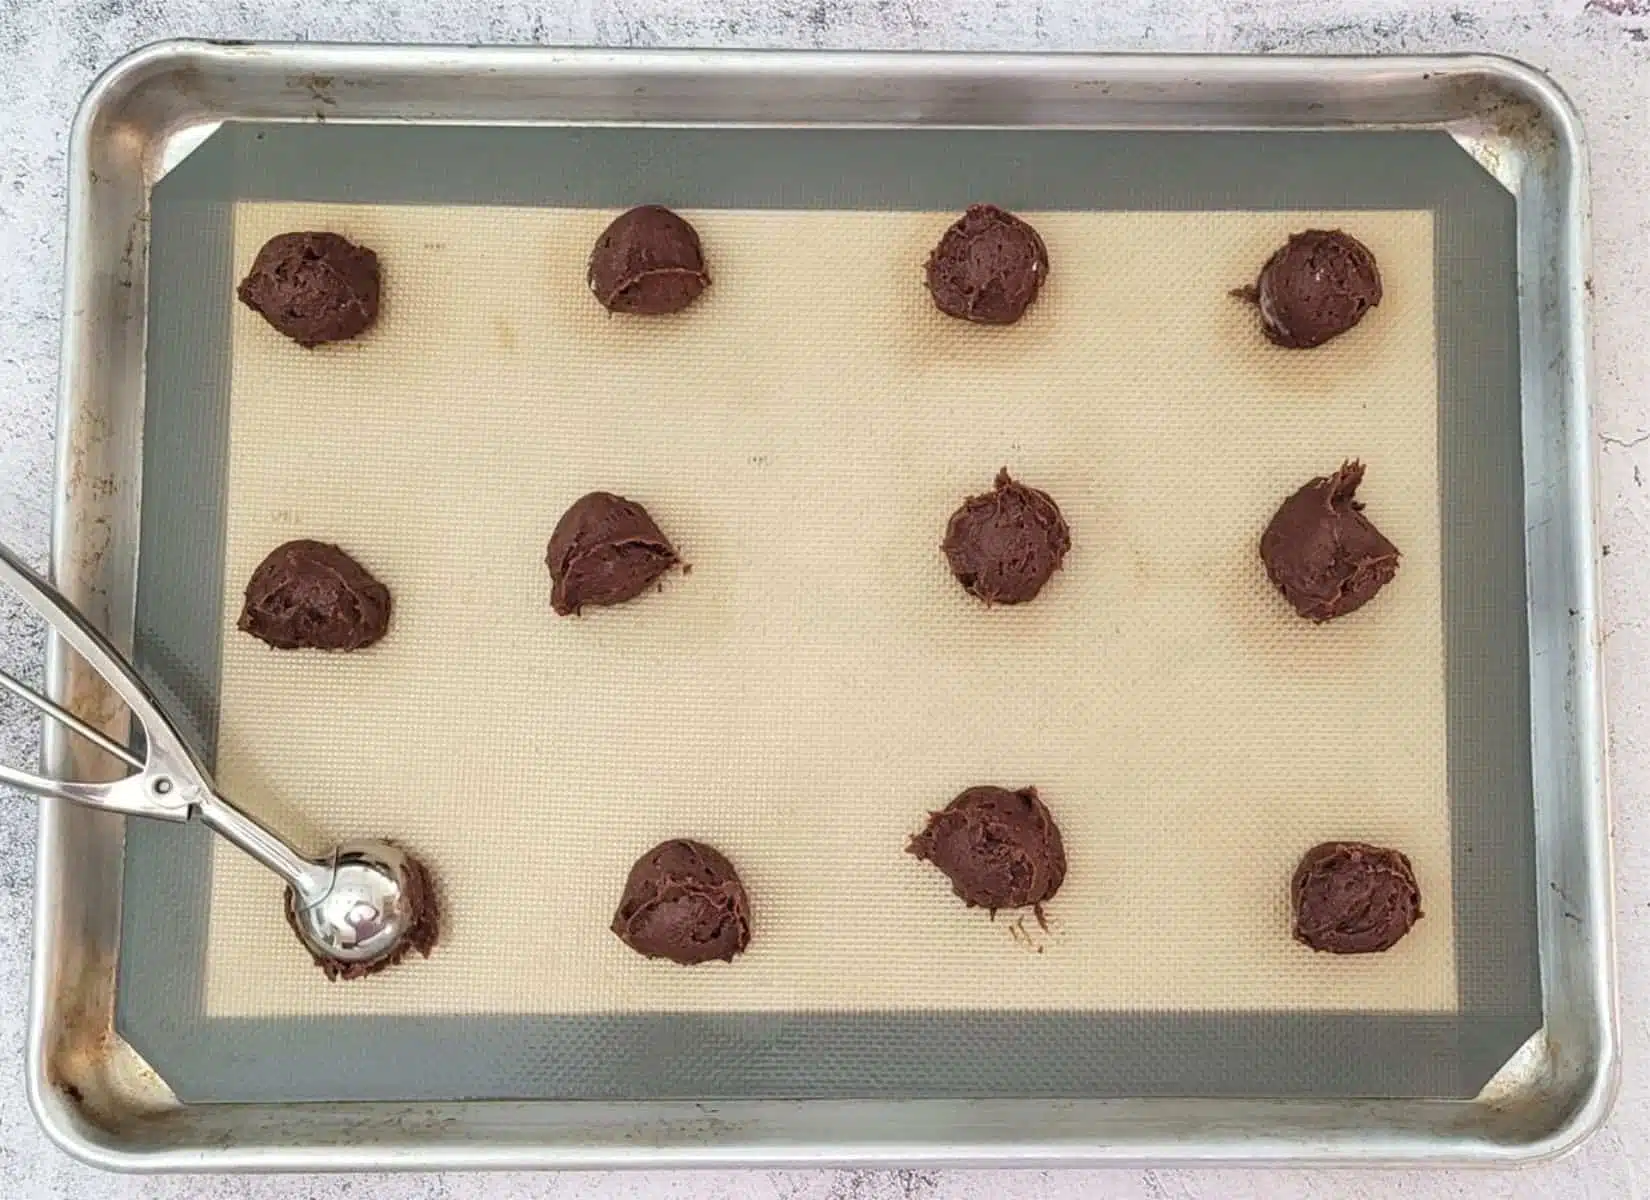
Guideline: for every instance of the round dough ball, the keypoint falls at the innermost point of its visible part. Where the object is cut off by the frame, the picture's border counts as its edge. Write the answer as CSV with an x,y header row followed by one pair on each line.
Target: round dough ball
x,y
648,261
1323,553
1003,545
309,595
988,267
1317,286
1354,898
684,901
605,550
1000,849
313,287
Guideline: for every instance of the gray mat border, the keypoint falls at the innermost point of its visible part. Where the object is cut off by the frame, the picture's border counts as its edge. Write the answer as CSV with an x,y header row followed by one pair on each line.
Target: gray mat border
x,y
1095,1055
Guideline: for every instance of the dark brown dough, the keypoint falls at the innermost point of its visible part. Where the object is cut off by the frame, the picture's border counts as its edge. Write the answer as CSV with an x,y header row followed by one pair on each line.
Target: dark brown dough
x,y
1323,553
308,595
1004,544
1000,849
421,936
684,901
605,550
1317,286
988,267
648,261
1354,898
313,287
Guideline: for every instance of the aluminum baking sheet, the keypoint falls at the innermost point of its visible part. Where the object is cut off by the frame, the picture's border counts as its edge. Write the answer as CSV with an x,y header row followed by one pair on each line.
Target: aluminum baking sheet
x,y
1172,708
1512,124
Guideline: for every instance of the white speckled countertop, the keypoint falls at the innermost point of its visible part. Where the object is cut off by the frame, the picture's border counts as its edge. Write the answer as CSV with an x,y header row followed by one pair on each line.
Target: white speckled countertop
x,y
1599,51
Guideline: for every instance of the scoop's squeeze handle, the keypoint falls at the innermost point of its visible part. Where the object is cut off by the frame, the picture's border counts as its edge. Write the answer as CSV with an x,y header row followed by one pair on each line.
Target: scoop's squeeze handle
x,y
168,781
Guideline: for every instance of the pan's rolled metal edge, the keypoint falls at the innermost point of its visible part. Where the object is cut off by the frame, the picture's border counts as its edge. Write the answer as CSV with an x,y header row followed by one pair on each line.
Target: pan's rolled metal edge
x,y
1571,1085
96,1099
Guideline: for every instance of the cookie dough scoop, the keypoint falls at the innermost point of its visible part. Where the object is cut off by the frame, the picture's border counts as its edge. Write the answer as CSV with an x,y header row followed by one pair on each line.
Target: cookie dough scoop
x,y
354,907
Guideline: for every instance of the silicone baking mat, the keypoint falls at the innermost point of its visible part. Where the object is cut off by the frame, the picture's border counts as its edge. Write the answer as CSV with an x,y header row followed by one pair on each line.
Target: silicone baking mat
x,y
818,682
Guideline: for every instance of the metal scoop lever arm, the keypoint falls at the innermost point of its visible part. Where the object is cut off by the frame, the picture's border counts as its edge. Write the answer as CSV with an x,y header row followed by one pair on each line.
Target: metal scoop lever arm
x,y
167,781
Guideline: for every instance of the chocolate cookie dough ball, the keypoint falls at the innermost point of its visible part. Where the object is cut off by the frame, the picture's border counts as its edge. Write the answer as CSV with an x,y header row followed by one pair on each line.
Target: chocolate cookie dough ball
x,y
1354,898
422,934
313,287
308,595
988,267
1004,544
1000,849
1316,287
648,261
684,901
605,550
1323,553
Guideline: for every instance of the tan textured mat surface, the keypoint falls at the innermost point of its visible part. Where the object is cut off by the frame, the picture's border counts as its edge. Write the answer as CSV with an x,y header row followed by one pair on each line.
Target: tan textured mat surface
x,y
819,681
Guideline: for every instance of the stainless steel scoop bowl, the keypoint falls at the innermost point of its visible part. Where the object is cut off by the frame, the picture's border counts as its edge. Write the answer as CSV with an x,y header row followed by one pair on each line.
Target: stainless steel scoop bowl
x,y
352,907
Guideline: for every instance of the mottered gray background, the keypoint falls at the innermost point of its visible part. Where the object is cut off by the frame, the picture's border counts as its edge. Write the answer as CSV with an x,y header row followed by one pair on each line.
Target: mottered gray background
x,y
1599,50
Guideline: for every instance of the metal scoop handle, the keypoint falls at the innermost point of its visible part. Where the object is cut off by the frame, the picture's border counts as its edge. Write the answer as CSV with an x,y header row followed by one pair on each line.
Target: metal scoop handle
x,y
168,781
